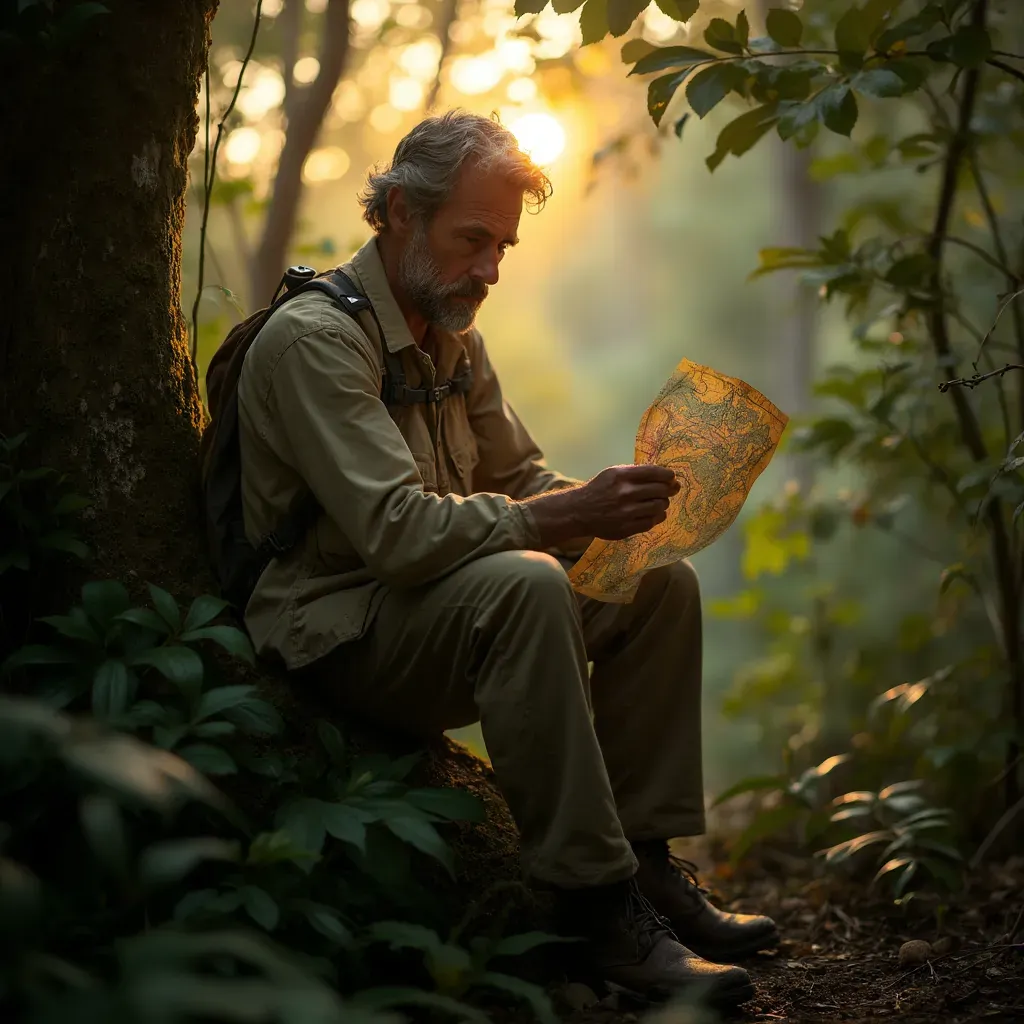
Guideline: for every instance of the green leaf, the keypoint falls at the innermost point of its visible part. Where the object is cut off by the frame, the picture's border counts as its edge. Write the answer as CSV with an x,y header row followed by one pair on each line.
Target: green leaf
x,y
384,998
171,860
75,626
843,851
454,804
69,503
635,49
166,606
66,541
181,665
104,599
912,271
137,771
751,785
255,717
220,698
671,57
532,994
208,759
111,689
325,920
233,640
740,135
104,830
422,835
785,27
678,10
204,609
838,108
969,46
742,34
878,82
517,945
767,823
566,6
333,742
594,21
346,823
720,35
708,88
622,14
918,24
529,7
39,654
853,36
145,617
20,896
303,821
405,935
260,906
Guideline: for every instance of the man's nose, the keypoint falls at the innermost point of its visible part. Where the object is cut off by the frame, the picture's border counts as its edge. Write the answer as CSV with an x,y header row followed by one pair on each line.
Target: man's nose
x,y
486,269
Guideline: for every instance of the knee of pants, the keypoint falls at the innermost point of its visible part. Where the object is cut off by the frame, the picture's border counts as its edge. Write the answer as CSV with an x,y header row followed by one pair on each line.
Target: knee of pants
x,y
675,585
531,578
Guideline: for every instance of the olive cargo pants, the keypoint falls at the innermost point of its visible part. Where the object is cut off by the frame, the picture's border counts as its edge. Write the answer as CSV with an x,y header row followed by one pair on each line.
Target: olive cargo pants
x,y
584,763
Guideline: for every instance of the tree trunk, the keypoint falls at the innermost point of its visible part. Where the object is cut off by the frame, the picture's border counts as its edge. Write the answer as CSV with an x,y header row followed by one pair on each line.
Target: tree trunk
x,y
94,356
306,112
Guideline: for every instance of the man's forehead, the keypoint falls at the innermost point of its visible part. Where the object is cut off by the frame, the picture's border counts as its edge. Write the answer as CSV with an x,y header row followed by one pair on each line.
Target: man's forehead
x,y
486,196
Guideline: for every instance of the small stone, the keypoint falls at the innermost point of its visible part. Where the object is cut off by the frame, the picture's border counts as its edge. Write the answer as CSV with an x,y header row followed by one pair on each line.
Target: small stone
x,y
579,996
915,952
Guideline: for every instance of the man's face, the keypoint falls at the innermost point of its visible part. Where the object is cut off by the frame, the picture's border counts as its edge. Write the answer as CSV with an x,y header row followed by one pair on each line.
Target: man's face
x,y
447,264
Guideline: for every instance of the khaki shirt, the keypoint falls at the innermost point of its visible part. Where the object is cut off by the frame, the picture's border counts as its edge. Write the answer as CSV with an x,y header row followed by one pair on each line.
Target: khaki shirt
x,y
408,494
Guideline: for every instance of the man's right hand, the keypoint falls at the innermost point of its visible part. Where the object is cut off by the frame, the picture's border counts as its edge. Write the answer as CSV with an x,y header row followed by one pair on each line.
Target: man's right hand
x,y
619,502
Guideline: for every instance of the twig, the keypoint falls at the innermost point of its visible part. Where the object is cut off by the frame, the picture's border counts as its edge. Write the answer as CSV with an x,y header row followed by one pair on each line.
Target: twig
x,y
211,170
1006,67
997,830
973,382
449,15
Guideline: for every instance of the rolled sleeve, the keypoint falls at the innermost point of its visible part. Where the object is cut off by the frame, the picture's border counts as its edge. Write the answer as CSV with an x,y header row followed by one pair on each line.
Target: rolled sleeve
x,y
325,392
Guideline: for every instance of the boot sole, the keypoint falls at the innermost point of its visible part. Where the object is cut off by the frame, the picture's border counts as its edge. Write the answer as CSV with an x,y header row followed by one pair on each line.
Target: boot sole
x,y
720,997
744,951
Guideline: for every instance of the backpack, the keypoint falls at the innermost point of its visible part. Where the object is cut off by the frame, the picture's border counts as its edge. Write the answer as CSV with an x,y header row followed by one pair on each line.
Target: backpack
x,y
237,564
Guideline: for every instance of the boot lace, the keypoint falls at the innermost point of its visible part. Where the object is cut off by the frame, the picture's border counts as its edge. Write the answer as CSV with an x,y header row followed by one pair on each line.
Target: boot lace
x,y
688,870
650,925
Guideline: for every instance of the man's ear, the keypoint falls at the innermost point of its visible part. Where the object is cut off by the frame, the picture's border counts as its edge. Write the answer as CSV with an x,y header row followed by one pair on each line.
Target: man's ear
x,y
398,210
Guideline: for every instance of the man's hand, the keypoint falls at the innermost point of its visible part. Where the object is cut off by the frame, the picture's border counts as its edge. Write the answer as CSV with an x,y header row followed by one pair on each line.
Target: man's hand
x,y
619,502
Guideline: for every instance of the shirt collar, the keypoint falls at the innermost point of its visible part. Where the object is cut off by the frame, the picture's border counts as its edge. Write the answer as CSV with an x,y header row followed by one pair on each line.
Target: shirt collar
x,y
373,280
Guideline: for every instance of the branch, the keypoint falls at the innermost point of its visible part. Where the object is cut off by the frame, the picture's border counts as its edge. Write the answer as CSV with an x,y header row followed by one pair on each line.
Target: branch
x,y
306,116
449,15
973,382
210,171
1009,69
289,23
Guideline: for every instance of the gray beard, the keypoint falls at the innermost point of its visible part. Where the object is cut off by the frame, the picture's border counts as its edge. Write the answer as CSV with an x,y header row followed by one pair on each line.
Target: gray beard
x,y
420,278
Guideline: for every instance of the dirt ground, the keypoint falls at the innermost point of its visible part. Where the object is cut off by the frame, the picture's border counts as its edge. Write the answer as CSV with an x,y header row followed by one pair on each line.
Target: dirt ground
x,y
839,960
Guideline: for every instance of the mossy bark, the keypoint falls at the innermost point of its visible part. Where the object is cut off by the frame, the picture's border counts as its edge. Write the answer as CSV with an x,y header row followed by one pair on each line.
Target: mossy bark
x,y
94,357
93,345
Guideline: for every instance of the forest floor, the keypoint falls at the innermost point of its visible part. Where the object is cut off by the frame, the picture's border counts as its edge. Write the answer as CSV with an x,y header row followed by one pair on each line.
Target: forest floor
x,y
839,959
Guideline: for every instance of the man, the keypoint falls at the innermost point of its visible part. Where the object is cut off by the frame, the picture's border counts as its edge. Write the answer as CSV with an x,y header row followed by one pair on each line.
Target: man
x,y
426,596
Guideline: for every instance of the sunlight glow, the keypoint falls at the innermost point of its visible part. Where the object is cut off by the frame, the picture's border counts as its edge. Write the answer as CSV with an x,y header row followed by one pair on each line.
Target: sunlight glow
x,y
420,59
475,75
368,14
515,55
271,8
521,90
325,164
405,93
414,16
242,146
384,119
559,34
658,27
264,93
347,102
306,69
540,136
316,6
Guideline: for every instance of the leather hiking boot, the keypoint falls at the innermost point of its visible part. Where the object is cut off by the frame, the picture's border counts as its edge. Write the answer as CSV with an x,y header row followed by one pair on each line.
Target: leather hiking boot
x,y
672,888
629,947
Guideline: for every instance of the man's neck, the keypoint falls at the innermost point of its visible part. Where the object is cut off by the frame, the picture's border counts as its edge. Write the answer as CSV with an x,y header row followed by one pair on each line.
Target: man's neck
x,y
413,318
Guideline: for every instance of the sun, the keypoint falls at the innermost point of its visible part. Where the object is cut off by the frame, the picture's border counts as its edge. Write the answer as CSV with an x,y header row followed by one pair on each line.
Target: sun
x,y
540,136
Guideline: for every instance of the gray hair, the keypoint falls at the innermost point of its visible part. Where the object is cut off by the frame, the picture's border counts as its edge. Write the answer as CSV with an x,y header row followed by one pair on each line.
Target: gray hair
x,y
427,161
